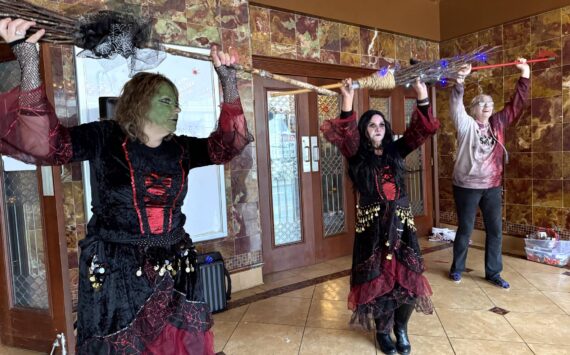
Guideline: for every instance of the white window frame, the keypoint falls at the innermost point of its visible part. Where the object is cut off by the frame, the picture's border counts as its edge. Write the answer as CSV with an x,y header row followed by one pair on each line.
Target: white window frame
x,y
205,208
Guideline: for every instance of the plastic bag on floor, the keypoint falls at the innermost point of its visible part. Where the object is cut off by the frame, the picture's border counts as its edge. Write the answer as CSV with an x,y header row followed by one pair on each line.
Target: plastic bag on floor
x,y
442,235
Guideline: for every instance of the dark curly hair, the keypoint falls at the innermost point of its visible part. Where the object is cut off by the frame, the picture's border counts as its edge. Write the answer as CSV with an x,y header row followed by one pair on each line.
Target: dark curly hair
x,y
362,167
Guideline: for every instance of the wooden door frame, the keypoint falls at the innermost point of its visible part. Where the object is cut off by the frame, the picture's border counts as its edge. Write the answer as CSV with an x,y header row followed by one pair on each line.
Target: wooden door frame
x,y
296,254
301,70
16,322
435,157
340,244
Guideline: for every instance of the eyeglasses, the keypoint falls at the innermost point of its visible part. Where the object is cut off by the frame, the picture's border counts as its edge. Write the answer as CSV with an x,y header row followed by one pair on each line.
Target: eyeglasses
x,y
486,104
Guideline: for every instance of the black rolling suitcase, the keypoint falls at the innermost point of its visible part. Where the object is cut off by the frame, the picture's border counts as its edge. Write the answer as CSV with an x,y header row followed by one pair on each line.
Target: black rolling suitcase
x,y
216,281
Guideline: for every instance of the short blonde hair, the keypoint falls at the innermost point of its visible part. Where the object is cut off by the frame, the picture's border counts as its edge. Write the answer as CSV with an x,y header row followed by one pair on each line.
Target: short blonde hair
x,y
475,102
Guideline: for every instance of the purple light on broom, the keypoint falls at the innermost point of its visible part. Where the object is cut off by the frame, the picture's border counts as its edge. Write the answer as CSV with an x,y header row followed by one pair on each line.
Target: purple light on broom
x,y
482,57
383,71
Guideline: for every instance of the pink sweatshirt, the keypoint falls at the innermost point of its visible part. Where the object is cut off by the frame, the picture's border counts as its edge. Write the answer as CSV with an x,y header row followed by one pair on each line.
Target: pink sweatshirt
x,y
479,162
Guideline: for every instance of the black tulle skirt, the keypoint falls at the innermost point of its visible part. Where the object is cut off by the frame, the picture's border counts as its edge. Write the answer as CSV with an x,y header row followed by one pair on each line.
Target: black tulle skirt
x,y
140,307
387,267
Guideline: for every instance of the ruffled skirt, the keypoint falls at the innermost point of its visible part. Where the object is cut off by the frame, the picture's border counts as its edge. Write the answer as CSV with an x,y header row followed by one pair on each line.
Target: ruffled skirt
x,y
387,269
139,309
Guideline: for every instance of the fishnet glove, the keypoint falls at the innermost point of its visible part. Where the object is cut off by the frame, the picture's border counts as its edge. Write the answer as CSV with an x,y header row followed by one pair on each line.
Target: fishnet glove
x,y
227,75
29,60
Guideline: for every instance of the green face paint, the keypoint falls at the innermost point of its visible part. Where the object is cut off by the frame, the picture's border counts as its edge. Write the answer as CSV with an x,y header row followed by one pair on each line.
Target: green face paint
x,y
163,110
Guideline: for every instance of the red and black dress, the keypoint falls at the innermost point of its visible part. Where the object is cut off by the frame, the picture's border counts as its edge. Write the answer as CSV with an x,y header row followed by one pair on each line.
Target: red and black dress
x,y
138,289
387,265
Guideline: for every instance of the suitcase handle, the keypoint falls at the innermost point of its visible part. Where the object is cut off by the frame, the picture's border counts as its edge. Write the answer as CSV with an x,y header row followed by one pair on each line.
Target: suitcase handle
x,y
228,284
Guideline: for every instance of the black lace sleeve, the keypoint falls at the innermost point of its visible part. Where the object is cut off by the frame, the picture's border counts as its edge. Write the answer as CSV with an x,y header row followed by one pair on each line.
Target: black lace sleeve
x,y
88,139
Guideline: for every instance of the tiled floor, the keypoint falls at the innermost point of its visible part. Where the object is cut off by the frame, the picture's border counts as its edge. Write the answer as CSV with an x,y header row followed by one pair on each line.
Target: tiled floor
x,y
314,319
5,350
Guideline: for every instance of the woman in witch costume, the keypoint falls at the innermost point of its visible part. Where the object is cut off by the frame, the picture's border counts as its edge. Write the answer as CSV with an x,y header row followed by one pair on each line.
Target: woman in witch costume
x,y
138,289
386,281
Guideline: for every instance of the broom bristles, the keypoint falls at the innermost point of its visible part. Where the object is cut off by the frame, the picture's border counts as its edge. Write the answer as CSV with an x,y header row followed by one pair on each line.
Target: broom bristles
x,y
59,28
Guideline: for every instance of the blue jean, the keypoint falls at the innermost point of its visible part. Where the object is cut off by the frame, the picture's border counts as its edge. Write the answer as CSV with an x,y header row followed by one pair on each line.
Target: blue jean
x,y
466,202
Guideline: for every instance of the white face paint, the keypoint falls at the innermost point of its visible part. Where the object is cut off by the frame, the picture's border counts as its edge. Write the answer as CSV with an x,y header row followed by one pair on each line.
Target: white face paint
x,y
375,130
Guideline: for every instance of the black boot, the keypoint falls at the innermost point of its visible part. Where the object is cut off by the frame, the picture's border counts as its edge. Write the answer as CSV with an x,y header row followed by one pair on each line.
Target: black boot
x,y
386,344
401,317
385,341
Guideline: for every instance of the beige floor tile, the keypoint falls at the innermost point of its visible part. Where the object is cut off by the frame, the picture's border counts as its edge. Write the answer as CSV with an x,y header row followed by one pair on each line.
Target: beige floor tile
x,y
487,347
262,339
516,280
562,299
344,262
282,282
444,254
548,282
306,292
522,301
429,345
318,270
276,276
329,314
222,332
470,324
523,265
246,293
331,341
231,315
6,350
541,328
475,260
425,324
548,349
278,310
466,298
333,290
437,273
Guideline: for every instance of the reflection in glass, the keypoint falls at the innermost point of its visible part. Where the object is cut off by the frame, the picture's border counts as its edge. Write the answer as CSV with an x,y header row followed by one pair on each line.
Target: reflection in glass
x,y
285,192
22,216
332,172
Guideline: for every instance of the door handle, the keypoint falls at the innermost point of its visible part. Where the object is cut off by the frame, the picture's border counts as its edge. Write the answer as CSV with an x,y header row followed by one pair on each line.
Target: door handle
x,y
315,153
305,143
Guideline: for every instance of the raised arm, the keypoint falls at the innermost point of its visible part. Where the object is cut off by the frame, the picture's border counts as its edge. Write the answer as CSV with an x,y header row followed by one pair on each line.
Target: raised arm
x,y
343,131
457,111
422,124
514,108
29,129
231,135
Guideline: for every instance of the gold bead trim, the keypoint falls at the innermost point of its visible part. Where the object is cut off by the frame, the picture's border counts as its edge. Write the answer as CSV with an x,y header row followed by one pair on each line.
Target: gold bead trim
x,y
406,216
365,215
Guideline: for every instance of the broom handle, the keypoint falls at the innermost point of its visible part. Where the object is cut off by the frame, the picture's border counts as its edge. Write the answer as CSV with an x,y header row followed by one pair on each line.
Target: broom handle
x,y
338,85
512,63
302,91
